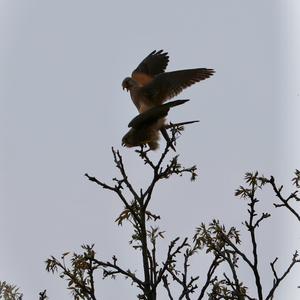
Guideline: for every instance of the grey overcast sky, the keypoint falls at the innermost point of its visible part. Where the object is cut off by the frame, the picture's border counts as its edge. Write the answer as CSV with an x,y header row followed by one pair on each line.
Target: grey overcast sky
x,y
62,108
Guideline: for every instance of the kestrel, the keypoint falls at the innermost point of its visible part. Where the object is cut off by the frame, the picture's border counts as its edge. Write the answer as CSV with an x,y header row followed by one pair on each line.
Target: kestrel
x,y
150,85
145,127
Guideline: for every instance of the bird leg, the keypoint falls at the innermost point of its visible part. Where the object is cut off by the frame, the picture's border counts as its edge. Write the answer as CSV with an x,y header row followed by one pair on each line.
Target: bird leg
x,y
164,132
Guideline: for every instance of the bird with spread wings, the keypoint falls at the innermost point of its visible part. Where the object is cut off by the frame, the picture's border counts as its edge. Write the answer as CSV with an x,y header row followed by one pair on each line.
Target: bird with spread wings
x,y
150,86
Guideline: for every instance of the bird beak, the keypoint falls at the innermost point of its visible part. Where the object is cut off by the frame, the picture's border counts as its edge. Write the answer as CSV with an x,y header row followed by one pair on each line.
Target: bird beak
x,y
125,87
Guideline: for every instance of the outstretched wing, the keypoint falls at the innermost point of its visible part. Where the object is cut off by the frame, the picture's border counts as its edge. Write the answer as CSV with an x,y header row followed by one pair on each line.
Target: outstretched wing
x,y
167,85
152,115
154,64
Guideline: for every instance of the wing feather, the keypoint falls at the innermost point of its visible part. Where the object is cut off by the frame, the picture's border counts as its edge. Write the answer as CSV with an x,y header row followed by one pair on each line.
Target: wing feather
x,y
152,115
154,64
168,85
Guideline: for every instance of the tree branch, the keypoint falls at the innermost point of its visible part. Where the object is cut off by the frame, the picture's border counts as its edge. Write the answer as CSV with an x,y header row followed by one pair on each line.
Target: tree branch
x,y
277,280
285,202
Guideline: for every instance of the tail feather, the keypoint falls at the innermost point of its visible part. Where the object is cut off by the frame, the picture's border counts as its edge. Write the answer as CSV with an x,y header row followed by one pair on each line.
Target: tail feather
x,y
171,125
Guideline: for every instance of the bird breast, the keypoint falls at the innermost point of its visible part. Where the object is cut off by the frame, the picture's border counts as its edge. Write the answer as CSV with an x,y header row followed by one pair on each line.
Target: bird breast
x,y
142,104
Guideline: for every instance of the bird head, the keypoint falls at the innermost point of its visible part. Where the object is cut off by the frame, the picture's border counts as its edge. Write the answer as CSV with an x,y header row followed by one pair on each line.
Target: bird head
x,y
140,137
128,139
136,137
128,83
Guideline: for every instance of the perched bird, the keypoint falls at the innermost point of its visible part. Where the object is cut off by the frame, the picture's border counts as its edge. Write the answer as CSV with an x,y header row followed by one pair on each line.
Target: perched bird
x,y
149,84
145,127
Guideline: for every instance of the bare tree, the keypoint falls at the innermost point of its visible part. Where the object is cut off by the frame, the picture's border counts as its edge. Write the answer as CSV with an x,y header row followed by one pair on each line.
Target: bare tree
x,y
221,279
172,273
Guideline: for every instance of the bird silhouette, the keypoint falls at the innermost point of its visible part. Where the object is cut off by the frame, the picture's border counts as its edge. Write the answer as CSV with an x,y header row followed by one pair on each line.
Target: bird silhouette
x,y
150,86
145,127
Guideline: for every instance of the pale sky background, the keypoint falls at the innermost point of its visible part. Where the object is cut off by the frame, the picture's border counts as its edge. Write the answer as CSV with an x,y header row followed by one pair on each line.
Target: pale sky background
x,y
62,108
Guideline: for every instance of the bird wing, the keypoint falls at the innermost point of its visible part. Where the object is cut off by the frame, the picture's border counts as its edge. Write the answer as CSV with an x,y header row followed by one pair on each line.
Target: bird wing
x,y
154,64
150,116
167,85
